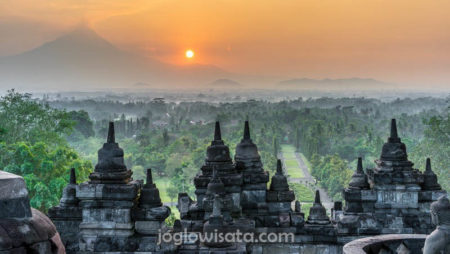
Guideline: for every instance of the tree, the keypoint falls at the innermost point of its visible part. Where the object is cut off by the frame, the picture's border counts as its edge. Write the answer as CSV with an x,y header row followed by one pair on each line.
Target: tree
x,y
83,123
45,169
275,147
166,137
32,145
436,145
24,119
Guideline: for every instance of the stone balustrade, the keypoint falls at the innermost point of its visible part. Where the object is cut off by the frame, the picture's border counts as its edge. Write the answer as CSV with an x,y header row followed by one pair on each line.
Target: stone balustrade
x,y
392,243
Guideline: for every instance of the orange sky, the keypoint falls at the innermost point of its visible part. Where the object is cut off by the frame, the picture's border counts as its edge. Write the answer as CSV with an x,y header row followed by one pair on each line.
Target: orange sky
x,y
402,41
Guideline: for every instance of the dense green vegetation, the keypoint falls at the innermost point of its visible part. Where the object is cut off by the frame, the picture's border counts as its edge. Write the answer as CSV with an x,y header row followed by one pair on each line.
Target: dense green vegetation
x,y
32,144
42,139
329,132
302,192
290,162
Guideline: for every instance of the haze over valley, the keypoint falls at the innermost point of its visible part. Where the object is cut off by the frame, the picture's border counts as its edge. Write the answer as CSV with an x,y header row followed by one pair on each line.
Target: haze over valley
x,y
81,60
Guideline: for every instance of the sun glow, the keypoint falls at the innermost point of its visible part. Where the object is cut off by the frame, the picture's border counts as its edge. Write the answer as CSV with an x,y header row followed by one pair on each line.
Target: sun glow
x,y
189,53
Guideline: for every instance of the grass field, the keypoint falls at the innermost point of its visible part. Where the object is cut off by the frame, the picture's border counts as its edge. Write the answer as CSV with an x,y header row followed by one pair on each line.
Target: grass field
x,y
305,209
162,184
289,156
290,162
287,148
308,165
295,172
302,192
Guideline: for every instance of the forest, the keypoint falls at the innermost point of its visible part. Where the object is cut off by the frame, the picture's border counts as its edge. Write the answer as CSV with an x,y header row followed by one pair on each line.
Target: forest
x,y
42,138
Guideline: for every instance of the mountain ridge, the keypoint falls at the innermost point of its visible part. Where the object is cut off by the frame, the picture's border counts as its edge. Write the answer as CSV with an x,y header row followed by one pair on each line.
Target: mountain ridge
x,y
84,59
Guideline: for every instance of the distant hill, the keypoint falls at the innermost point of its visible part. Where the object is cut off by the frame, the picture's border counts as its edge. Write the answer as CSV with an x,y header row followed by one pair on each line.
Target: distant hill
x,y
83,60
223,82
334,83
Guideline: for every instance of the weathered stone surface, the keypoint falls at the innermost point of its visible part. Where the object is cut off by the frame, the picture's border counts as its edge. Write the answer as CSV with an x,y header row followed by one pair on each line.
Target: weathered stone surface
x,y
279,181
14,202
151,214
391,198
110,167
108,191
111,212
439,241
149,193
398,199
359,178
318,213
429,178
387,243
29,231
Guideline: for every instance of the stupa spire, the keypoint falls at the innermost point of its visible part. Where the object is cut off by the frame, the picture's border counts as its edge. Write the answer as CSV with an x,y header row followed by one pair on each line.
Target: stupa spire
x,y
428,165
73,179
217,133
394,129
149,193
110,167
279,167
359,178
317,198
430,178
111,133
318,213
394,149
149,176
359,167
215,186
279,181
246,131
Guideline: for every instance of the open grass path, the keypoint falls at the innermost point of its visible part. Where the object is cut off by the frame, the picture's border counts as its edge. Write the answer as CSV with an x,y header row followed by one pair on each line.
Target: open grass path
x,y
287,154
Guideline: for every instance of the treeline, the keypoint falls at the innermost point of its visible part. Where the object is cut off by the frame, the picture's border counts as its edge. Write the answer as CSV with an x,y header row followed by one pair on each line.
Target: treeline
x,y
33,145
331,133
42,143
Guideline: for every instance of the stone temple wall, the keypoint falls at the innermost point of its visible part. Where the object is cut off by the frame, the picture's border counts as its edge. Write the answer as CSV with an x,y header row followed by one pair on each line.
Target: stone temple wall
x,y
112,213
392,198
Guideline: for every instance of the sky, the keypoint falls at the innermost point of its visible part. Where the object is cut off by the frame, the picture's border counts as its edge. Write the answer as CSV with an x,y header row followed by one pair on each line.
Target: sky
x,y
402,41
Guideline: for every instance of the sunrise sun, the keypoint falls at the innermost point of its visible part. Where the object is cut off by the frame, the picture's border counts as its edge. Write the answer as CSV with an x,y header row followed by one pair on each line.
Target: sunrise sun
x,y
189,53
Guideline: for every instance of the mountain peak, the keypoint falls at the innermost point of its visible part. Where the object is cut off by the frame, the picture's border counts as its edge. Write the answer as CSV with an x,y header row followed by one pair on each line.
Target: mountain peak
x,y
82,31
82,35
224,82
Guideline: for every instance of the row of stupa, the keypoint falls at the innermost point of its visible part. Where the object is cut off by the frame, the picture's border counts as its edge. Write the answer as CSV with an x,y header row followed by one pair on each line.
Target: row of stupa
x,y
111,213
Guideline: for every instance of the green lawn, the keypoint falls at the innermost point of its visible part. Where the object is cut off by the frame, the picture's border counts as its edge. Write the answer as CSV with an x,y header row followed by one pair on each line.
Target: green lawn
x,y
289,155
290,163
302,192
308,165
162,184
175,212
305,209
295,172
287,149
